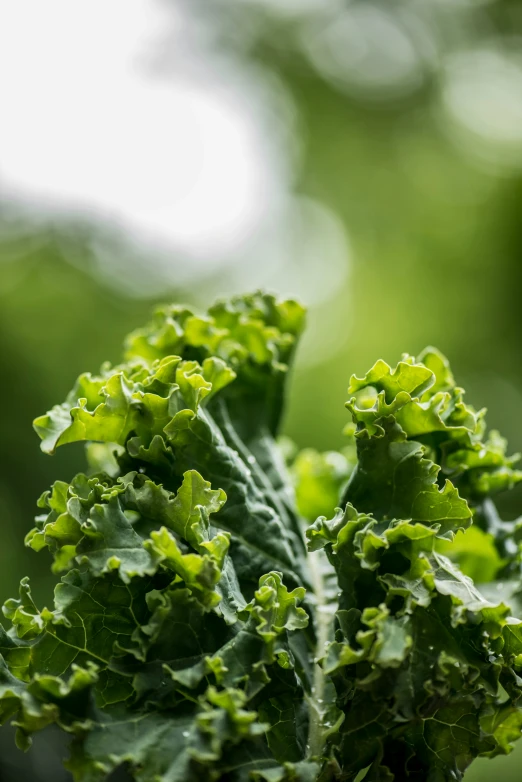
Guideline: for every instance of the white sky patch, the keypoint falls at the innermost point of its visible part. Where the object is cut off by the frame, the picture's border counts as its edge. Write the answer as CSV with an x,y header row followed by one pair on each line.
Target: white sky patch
x,y
179,161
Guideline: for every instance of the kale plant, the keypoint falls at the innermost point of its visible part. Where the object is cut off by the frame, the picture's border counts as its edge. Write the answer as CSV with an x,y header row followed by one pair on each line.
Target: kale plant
x,y
196,636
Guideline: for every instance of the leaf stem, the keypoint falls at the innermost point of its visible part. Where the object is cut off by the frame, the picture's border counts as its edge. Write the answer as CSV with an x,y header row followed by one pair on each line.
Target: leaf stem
x,y
323,621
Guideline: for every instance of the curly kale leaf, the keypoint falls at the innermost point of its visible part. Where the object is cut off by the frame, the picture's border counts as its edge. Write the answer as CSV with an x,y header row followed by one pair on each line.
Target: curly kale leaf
x,y
176,644
192,635
424,666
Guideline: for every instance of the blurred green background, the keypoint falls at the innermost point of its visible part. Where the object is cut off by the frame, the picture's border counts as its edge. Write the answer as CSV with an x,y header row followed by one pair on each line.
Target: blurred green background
x,y
363,156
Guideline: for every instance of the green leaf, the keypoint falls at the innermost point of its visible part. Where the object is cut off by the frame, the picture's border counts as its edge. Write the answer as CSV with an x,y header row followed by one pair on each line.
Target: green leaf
x,y
193,637
475,553
318,479
394,480
415,635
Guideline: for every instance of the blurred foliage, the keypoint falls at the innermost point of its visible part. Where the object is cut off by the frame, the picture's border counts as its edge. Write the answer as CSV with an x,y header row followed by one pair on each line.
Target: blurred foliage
x,y
436,257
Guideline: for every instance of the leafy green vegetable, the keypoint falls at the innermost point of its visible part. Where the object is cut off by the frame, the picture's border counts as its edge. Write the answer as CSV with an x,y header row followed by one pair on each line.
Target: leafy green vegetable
x,y
194,637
